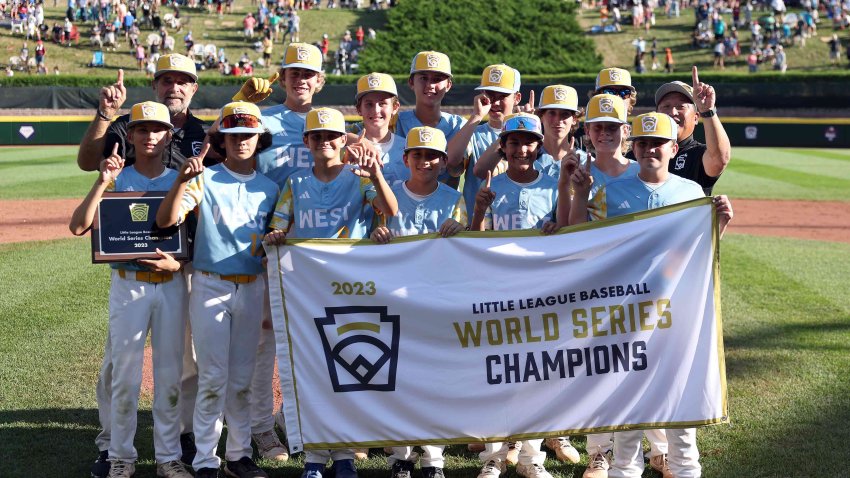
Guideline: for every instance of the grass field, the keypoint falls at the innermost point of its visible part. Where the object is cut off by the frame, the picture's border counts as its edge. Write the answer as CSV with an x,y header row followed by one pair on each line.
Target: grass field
x,y
786,333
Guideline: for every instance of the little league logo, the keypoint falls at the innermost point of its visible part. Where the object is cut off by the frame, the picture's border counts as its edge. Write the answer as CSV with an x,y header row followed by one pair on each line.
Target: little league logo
x,y
148,111
560,94
302,54
361,347
496,75
175,61
196,147
614,75
139,212
606,105
425,136
240,111
432,61
324,117
680,161
373,81
649,124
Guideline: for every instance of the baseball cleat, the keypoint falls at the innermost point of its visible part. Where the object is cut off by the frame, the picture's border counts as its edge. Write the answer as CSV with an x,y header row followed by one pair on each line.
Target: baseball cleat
x,y
564,450
269,446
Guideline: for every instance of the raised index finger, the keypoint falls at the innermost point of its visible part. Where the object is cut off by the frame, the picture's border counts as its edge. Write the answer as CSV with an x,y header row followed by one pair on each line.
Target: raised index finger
x,y
531,99
695,75
115,150
204,150
489,177
120,80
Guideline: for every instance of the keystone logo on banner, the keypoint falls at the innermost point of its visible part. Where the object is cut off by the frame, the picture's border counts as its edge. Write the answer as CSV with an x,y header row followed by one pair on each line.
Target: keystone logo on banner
x,y
361,347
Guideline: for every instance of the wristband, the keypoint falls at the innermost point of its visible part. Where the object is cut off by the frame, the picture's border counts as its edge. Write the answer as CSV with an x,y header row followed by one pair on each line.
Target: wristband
x,y
708,114
103,116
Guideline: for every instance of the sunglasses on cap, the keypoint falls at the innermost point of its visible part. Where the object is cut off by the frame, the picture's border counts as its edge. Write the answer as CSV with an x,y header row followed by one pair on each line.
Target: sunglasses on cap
x,y
622,93
240,121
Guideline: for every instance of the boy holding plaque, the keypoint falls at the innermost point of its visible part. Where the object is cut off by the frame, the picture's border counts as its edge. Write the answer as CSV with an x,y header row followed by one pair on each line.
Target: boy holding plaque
x,y
234,203
146,294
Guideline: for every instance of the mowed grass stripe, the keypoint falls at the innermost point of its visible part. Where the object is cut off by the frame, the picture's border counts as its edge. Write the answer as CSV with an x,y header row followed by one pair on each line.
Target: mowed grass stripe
x,y
795,161
822,182
838,154
22,153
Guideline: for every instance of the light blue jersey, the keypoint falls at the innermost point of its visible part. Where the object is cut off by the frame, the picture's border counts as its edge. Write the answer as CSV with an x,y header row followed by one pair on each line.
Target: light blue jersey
x,y
449,124
131,180
521,206
597,203
234,210
425,214
483,136
288,153
336,209
547,164
392,156
628,195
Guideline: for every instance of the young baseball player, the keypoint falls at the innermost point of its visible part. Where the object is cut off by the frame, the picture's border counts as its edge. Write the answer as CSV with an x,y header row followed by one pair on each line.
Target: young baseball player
x,y
522,198
144,295
654,144
617,82
330,201
234,204
499,94
560,114
425,206
377,103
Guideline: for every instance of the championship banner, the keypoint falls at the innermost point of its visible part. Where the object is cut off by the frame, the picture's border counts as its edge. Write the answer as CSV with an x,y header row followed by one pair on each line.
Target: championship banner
x,y
501,336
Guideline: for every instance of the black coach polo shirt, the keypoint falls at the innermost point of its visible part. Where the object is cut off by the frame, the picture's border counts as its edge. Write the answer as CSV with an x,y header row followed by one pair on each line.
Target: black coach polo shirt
x,y
185,142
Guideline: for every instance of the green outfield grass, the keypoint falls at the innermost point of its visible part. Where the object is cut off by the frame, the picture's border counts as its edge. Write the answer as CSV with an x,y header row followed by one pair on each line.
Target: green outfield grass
x,y
786,330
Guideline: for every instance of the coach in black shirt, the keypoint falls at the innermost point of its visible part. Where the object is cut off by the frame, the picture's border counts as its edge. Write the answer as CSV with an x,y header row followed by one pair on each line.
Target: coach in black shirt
x,y
702,163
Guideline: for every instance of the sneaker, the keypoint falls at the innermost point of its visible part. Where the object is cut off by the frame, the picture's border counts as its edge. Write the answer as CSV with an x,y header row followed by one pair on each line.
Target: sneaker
x,y
244,468
659,464
532,471
207,473
121,469
432,472
598,467
402,469
269,446
514,447
311,470
564,450
361,454
187,447
344,469
172,469
492,469
100,468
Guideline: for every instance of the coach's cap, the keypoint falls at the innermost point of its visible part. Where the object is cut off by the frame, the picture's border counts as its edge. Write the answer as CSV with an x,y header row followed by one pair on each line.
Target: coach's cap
x,y
325,119
654,125
559,97
606,108
175,62
150,111
375,82
302,55
500,78
614,77
431,61
522,123
241,117
425,137
674,87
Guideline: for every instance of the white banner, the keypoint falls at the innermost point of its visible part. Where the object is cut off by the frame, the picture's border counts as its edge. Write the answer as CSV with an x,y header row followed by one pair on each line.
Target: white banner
x,y
495,336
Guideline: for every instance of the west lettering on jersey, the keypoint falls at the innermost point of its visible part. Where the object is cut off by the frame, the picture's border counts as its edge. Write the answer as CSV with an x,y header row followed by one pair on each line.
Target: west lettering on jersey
x,y
231,217
293,156
322,217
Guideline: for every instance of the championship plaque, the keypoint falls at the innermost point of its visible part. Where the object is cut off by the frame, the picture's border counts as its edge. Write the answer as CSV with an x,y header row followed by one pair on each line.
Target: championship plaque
x,y
125,229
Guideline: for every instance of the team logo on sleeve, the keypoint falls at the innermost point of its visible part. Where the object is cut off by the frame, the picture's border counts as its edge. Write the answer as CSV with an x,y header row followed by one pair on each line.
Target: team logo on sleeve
x,y
139,212
606,105
649,124
560,94
373,81
680,161
432,61
196,147
614,75
324,117
361,347
425,136
148,111
302,54
496,75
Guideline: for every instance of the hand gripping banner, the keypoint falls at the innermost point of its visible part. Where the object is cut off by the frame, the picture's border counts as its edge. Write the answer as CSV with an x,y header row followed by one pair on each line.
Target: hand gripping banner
x,y
607,326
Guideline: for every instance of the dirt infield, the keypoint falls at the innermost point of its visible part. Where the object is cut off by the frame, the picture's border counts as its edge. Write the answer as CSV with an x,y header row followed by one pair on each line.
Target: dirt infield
x,y
47,219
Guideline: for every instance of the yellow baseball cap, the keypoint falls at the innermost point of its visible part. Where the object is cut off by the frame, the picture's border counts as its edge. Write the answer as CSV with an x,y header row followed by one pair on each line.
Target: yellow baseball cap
x,y
521,123
241,117
606,108
431,61
425,137
559,97
303,55
325,119
177,63
614,77
149,111
501,78
654,125
375,82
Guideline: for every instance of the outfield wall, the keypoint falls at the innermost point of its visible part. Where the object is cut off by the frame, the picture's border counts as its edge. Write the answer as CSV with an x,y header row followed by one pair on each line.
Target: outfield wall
x,y
774,132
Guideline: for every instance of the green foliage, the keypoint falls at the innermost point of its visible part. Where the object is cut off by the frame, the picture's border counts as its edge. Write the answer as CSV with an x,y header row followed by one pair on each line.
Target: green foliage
x,y
540,37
